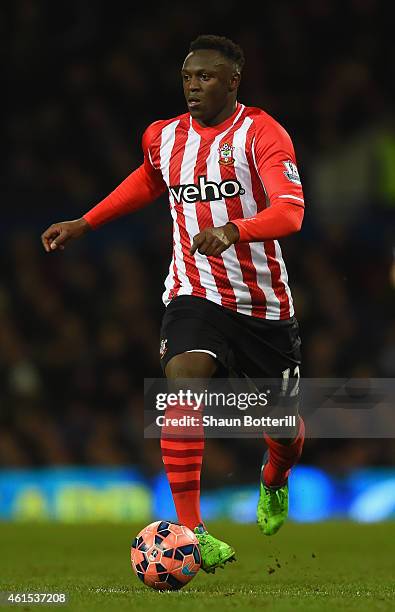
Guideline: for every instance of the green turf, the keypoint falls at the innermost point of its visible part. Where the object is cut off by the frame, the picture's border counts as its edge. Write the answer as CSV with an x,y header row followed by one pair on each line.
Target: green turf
x,y
323,567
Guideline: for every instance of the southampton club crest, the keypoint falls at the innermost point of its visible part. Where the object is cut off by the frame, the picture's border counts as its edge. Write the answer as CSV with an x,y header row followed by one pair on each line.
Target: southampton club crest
x,y
163,348
226,154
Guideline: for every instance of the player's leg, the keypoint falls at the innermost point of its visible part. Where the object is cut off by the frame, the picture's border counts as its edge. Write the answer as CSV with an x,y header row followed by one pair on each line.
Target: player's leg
x,y
182,452
193,347
283,452
183,456
270,350
282,455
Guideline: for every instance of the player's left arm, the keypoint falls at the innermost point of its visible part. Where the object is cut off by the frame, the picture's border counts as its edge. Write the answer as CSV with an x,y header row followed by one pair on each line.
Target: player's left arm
x,y
274,159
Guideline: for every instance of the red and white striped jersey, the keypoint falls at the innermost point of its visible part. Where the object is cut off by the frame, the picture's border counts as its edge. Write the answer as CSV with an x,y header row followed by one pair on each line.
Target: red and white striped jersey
x,y
218,174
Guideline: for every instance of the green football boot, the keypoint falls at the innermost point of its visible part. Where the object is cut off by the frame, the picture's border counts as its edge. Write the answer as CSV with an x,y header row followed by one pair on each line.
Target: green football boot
x,y
214,553
272,510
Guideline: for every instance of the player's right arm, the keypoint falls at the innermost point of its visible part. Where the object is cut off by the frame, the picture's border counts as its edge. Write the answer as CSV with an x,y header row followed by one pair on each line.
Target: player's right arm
x,y
140,188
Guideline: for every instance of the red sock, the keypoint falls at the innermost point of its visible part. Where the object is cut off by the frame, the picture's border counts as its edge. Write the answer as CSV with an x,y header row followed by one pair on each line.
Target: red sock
x,y
183,457
282,457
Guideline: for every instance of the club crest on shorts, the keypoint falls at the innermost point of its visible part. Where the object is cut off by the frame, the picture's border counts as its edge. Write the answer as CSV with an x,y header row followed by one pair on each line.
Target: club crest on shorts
x,y
163,348
291,172
226,154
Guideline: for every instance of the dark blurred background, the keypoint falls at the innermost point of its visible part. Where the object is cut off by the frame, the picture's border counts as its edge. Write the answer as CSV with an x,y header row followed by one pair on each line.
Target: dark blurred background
x,y
79,330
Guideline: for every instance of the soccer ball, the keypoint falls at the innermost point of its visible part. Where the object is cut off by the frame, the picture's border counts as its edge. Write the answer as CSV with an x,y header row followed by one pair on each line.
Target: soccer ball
x,y
165,556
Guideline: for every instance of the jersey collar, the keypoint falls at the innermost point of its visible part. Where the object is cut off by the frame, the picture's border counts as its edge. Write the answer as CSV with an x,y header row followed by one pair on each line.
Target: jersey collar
x,y
214,130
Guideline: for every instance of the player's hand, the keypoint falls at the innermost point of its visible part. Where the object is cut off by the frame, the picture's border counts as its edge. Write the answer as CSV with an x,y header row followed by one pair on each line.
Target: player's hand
x,y
215,240
56,236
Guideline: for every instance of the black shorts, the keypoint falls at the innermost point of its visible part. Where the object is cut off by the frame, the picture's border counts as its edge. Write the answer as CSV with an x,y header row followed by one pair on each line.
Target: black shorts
x,y
242,345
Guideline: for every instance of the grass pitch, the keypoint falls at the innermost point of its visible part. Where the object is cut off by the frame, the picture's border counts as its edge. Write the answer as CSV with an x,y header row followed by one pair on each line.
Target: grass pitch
x,y
325,567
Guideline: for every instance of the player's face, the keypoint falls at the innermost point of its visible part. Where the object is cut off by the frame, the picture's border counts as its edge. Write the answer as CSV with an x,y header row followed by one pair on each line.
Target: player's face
x,y
210,84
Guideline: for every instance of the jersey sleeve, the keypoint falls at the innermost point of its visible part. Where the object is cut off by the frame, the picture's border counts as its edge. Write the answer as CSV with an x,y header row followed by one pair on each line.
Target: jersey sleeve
x,y
138,190
275,161
274,158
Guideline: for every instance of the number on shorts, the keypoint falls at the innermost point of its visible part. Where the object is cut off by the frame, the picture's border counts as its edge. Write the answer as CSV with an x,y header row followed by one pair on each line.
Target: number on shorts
x,y
285,390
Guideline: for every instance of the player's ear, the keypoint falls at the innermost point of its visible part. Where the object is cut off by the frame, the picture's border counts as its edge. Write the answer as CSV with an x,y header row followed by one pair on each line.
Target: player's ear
x,y
234,81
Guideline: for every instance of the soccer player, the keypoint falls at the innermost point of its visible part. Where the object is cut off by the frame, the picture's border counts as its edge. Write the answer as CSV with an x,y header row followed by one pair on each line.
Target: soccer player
x,y
234,190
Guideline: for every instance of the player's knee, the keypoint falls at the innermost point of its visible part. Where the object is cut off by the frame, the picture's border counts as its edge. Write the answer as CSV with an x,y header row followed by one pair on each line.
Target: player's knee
x,y
190,365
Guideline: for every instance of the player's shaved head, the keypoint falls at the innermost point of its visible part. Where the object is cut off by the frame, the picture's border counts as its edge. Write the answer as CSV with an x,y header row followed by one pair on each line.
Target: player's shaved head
x,y
226,47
